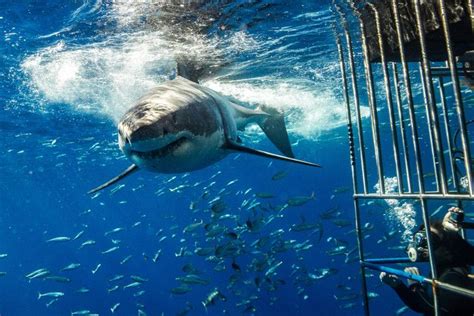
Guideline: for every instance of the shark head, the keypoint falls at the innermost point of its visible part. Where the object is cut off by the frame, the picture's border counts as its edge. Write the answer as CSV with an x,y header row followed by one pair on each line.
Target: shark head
x,y
169,138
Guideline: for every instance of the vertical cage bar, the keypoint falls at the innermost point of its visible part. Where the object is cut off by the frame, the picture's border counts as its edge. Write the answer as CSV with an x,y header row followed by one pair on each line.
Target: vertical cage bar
x,y
361,256
448,134
373,107
402,127
354,177
429,125
388,95
409,96
426,221
355,91
457,94
470,8
349,118
432,115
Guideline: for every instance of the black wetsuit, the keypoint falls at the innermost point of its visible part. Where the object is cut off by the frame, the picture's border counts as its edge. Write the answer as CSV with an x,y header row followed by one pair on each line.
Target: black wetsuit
x,y
453,259
419,297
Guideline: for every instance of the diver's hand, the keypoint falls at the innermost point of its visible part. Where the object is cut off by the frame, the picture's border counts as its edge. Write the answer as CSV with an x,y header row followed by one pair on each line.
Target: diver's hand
x,y
390,279
448,224
412,270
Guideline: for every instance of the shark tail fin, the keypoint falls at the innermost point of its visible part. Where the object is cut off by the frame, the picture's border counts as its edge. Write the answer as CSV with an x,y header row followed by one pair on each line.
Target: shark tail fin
x,y
274,127
125,173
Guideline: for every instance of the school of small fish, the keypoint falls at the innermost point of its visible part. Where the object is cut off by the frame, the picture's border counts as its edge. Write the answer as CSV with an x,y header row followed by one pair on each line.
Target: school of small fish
x,y
231,231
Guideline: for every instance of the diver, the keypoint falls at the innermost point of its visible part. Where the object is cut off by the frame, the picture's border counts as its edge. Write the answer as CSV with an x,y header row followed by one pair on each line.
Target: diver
x,y
453,258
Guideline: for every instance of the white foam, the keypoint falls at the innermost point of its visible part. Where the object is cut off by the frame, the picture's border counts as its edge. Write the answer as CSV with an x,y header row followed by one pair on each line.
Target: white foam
x,y
405,215
108,76
464,181
399,215
391,186
101,77
315,110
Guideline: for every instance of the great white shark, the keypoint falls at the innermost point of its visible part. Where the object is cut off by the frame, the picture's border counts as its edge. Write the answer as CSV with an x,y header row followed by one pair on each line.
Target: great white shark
x,y
181,126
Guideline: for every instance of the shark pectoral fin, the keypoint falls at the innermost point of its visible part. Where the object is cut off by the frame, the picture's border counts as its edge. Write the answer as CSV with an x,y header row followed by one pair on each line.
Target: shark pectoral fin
x,y
240,148
127,172
275,129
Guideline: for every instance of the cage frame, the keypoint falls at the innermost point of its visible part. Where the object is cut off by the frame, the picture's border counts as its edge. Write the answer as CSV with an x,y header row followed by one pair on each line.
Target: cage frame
x,y
400,149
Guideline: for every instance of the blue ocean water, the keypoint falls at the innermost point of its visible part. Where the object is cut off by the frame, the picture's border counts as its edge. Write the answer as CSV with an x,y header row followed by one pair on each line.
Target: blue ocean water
x,y
69,71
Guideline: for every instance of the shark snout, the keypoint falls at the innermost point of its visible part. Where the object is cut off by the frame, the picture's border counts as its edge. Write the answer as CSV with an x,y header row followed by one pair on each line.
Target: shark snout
x,y
149,138
147,132
130,135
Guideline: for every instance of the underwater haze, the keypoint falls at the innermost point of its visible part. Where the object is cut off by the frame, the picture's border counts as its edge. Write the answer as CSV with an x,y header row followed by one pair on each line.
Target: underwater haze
x,y
245,236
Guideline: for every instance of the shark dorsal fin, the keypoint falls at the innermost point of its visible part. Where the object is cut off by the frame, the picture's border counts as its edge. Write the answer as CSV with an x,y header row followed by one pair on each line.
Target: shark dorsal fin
x,y
189,68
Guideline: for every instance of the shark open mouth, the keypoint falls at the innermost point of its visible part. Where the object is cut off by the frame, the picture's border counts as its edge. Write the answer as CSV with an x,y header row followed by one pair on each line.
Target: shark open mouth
x,y
163,151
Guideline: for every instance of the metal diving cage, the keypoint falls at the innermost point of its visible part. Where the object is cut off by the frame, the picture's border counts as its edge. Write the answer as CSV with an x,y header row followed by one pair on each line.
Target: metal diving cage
x,y
407,69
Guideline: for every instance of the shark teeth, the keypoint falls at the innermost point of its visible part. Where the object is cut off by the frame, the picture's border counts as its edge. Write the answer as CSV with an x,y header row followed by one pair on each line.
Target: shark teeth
x,y
163,151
